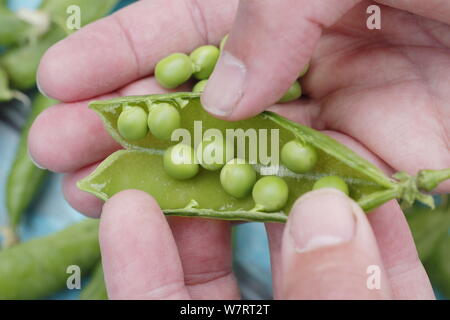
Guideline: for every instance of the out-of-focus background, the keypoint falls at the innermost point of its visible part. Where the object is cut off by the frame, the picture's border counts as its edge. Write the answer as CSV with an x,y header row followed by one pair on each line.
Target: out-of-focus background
x,y
48,212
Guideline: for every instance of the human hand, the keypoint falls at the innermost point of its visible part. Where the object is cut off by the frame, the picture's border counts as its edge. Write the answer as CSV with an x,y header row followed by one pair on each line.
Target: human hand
x,y
386,88
70,138
327,250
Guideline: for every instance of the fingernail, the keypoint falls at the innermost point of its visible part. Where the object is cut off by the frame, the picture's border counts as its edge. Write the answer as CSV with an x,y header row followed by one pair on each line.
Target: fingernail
x,y
34,161
225,87
40,89
322,218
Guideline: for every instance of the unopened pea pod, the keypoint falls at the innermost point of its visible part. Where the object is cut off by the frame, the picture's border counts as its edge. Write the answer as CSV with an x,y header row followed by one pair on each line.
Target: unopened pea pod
x,y
140,166
25,178
95,289
21,63
428,228
89,10
438,267
6,93
13,30
40,267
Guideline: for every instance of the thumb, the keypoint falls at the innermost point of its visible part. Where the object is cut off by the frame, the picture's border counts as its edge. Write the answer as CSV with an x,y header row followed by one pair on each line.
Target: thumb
x,y
329,251
269,45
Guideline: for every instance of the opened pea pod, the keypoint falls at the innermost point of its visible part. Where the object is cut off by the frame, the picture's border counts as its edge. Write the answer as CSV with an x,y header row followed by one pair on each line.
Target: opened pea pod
x,y
149,164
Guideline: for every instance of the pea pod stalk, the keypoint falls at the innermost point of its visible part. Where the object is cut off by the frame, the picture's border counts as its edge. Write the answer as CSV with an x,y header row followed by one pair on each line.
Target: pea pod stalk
x,y
139,166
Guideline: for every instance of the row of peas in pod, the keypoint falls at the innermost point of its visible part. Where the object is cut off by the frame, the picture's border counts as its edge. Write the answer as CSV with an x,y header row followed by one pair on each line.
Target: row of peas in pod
x,y
177,68
237,177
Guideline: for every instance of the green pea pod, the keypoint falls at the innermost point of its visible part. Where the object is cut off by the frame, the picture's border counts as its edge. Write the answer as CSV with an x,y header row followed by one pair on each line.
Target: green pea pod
x,y
96,289
38,268
13,30
89,10
428,228
438,267
21,63
5,92
140,166
25,178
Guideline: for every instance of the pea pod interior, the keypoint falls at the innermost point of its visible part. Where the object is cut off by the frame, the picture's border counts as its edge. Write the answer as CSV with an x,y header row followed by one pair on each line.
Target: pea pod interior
x,y
140,165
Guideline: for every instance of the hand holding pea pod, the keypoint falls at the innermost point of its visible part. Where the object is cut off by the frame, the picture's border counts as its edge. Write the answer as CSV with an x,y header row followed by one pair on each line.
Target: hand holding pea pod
x,y
349,114
327,234
38,268
103,146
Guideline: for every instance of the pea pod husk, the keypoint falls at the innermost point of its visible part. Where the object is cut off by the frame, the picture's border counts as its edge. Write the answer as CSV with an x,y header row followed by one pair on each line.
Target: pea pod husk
x,y
96,288
13,30
38,268
25,178
139,166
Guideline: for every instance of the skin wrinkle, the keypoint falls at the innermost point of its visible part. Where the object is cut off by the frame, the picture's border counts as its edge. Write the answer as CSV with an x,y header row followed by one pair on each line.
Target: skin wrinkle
x,y
198,19
445,133
199,278
433,106
340,125
125,32
168,291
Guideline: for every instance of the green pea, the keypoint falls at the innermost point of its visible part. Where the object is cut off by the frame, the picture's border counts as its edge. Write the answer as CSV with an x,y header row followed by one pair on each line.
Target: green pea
x,y
237,178
223,41
132,123
293,93
304,71
212,155
179,163
331,182
163,119
204,59
270,193
173,70
298,157
200,86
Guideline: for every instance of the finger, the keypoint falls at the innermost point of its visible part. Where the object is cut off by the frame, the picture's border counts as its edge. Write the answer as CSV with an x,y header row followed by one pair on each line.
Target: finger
x,y
205,249
328,248
404,269
70,136
67,137
257,65
275,236
125,46
81,201
275,231
411,141
434,9
139,255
